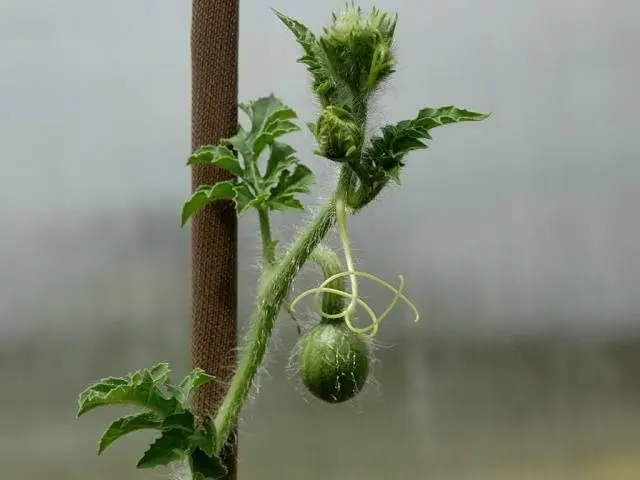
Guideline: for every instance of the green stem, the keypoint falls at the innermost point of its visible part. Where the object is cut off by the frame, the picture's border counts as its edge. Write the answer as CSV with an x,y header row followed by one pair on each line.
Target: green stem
x,y
341,214
331,303
269,302
268,250
330,264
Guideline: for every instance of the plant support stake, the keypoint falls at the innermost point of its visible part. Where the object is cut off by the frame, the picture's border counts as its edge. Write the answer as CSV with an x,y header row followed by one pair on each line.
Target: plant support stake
x,y
214,60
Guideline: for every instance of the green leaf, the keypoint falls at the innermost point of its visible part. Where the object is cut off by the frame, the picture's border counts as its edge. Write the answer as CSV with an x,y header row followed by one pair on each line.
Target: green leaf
x,y
315,59
429,118
244,198
281,156
205,438
270,119
285,204
141,388
283,176
204,441
282,194
406,144
104,386
297,182
159,372
128,424
205,195
207,467
303,34
171,446
181,420
219,156
192,381
386,151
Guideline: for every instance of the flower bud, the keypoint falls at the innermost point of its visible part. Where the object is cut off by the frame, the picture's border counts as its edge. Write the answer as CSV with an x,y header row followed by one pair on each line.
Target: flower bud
x,y
339,136
359,47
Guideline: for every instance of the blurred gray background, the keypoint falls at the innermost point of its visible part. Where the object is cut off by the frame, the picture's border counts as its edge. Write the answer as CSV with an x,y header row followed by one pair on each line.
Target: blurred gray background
x,y
519,238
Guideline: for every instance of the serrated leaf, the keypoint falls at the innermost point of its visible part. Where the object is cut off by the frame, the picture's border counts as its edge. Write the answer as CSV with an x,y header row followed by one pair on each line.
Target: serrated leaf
x,y
180,421
205,441
219,156
160,372
297,181
430,118
406,144
193,380
103,386
285,204
205,195
170,446
394,174
387,150
315,59
303,34
285,178
270,119
205,467
281,156
290,182
128,424
205,437
244,198
141,388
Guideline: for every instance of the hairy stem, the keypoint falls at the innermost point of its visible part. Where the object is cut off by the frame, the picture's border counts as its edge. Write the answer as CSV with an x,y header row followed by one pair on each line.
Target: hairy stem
x,y
268,250
270,297
331,303
330,264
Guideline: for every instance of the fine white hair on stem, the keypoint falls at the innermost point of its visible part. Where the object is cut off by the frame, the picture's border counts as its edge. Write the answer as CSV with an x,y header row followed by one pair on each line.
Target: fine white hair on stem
x,y
263,368
326,182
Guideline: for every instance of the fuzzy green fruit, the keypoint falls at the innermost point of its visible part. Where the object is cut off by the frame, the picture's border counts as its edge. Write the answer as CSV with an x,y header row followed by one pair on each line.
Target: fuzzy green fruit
x,y
334,362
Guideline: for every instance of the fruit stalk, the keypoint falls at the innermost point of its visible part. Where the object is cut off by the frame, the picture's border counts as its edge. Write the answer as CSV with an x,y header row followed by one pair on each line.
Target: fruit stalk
x,y
330,264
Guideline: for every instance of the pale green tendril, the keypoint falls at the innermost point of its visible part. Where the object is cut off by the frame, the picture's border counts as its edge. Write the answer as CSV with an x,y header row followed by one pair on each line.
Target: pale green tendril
x,y
370,330
349,313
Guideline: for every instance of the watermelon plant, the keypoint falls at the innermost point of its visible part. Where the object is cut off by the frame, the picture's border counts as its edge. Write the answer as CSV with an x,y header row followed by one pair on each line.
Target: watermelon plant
x,y
347,61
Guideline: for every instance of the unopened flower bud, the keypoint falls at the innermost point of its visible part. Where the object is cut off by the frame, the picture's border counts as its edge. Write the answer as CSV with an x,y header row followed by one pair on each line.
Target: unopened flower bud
x,y
339,136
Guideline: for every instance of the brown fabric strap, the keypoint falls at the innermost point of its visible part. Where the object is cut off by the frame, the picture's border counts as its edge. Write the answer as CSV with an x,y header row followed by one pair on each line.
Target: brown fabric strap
x,y
214,52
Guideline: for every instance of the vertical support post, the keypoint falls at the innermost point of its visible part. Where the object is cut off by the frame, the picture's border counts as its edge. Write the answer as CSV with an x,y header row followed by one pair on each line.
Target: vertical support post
x,y
214,52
